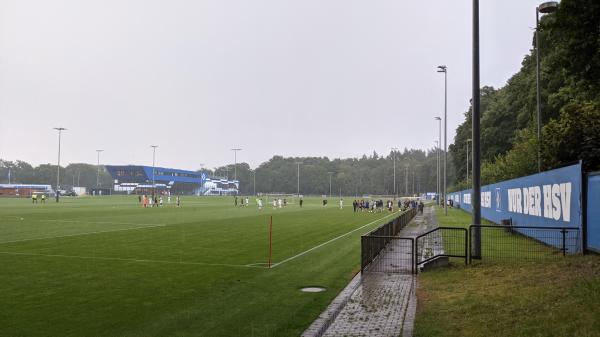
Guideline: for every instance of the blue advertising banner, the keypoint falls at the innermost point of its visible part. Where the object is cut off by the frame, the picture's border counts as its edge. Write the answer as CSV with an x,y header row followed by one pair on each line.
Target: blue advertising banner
x,y
547,199
593,212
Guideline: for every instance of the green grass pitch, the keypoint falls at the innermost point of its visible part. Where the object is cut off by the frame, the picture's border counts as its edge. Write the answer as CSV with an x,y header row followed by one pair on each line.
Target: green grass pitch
x,y
105,266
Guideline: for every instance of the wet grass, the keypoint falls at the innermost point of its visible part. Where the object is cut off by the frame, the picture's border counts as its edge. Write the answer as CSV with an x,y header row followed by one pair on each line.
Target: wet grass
x,y
508,297
107,267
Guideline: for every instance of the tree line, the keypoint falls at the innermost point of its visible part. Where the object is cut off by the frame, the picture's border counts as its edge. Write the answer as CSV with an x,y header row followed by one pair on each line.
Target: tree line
x,y
416,172
71,175
570,95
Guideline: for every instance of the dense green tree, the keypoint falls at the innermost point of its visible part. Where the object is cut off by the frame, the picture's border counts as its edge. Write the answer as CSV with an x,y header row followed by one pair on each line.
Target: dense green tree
x,y
570,83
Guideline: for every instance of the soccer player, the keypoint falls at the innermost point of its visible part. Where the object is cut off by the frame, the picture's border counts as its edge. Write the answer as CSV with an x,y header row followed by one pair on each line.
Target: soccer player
x,y
341,203
160,201
260,204
178,201
43,198
34,198
301,202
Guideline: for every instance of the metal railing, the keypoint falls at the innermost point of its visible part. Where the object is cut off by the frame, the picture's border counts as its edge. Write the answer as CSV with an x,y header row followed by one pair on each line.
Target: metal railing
x,y
393,227
384,240
524,242
441,242
387,254
382,250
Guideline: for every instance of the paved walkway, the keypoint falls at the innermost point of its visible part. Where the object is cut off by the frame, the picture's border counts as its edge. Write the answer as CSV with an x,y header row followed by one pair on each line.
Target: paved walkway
x,y
380,302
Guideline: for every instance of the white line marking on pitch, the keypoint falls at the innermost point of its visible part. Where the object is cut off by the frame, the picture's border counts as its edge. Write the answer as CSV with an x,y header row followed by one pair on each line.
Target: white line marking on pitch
x,y
330,241
133,260
86,233
90,222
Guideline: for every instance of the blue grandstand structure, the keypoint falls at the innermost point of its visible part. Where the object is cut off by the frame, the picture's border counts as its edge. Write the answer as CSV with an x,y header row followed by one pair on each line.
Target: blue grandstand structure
x,y
136,179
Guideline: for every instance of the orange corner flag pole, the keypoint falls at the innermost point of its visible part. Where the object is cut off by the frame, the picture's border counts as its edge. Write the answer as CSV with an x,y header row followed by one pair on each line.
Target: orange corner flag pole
x,y
270,238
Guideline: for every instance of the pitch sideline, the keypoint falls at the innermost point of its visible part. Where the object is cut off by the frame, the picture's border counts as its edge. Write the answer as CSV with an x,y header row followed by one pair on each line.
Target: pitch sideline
x,y
86,233
330,241
132,260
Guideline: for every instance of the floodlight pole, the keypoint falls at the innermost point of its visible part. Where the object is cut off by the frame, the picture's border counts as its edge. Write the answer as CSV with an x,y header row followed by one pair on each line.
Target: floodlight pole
x,y
444,69
235,162
437,162
394,149
406,179
546,7
254,181
439,159
60,130
153,168
330,174
98,171
299,163
468,140
476,150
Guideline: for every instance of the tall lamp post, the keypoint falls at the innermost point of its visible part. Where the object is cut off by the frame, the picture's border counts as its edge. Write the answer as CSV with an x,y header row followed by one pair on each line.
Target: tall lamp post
x,y
439,119
299,163
476,120
330,174
413,182
153,168
437,150
406,179
394,149
544,8
468,140
254,181
98,170
235,151
444,69
60,130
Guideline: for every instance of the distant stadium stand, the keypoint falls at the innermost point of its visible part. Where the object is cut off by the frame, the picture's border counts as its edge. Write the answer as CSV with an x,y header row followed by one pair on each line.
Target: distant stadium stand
x,y
134,179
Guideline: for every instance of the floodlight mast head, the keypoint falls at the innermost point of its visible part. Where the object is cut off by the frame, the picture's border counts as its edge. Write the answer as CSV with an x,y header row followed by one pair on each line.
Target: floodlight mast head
x,y
548,7
442,69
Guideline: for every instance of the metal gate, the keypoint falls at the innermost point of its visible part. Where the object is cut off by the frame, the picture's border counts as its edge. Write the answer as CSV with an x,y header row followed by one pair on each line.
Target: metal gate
x,y
441,242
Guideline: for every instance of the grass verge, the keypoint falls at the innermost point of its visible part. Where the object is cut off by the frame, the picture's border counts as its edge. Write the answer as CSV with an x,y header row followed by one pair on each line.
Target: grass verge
x,y
559,297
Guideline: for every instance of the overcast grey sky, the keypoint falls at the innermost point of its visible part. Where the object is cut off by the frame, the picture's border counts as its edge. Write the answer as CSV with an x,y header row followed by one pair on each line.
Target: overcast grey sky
x,y
334,78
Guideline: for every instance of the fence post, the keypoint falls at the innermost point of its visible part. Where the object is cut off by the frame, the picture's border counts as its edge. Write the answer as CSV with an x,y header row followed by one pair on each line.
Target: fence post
x,y
469,245
412,248
564,246
415,255
466,247
362,254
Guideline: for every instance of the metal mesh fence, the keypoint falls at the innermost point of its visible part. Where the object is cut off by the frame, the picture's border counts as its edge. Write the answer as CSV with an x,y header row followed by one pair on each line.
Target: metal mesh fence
x,y
524,242
441,241
389,254
384,241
